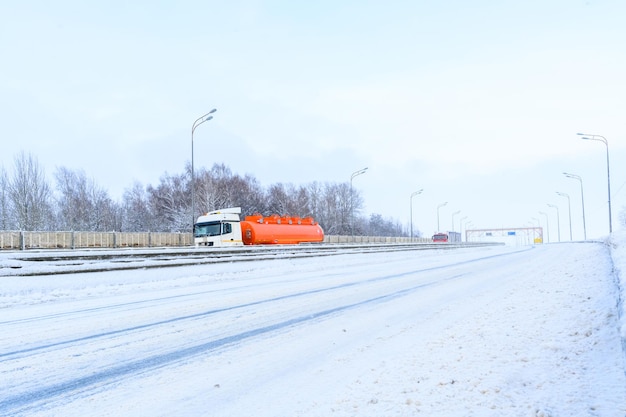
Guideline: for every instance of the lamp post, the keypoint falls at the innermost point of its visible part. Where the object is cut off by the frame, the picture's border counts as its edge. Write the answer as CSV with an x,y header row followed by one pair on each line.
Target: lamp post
x,y
461,226
582,196
467,225
354,174
547,226
558,221
438,207
569,210
454,214
608,171
196,123
411,205
538,228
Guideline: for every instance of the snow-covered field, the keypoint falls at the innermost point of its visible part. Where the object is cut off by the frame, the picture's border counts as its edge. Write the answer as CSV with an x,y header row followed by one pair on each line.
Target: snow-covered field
x,y
495,331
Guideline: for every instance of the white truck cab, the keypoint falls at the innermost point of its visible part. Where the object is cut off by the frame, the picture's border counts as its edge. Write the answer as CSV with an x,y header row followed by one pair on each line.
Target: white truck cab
x,y
218,228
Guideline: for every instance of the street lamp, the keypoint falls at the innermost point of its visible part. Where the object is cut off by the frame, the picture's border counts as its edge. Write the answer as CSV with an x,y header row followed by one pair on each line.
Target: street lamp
x,y
198,122
569,210
411,205
608,171
461,223
354,174
582,196
461,226
558,221
454,214
538,228
467,225
438,207
547,225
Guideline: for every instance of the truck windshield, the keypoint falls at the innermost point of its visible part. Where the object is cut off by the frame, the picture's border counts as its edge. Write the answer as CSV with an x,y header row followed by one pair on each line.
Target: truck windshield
x,y
207,229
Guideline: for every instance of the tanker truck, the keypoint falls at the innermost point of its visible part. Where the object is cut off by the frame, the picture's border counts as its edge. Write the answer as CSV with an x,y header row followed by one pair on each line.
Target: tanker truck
x,y
224,228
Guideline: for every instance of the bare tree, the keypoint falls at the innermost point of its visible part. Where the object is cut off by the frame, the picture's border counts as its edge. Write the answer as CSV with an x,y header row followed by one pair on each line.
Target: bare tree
x,y
245,192
348,203
333,213
30,195
287,199
211,192
170,204
136,214
73,205
220,188
278,200
26,202
82,204
251,197
301,201
315,195
378,226
6,212
105,213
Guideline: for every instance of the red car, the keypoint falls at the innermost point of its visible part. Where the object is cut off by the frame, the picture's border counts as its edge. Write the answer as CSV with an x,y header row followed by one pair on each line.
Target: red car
x,y
440,237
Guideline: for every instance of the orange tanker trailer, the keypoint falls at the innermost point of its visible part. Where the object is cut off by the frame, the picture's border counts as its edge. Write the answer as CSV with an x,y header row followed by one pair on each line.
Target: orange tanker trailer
x,y
259,230
224,228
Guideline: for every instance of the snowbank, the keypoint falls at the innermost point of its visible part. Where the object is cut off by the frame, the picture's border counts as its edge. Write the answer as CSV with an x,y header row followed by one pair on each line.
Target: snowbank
x,y
617,245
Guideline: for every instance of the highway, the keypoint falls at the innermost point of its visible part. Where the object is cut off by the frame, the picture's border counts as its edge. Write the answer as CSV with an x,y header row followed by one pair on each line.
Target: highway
x,y
225,335
51,262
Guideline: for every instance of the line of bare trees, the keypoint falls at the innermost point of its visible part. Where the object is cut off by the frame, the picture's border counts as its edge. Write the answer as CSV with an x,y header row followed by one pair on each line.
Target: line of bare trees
x,y
29,202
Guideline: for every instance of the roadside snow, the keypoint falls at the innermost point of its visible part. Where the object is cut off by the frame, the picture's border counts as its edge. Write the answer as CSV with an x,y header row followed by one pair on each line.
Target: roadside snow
x,y
617,243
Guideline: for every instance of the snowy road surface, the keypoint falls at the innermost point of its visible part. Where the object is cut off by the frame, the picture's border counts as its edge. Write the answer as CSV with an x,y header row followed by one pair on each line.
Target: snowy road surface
x,y
531,331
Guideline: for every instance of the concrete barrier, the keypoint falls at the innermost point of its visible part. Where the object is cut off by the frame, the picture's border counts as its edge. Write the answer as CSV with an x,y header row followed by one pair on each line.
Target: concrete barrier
x,y
21,240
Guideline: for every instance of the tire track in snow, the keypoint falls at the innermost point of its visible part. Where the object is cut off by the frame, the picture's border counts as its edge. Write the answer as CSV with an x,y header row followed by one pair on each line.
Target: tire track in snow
x,y
22,402
18,353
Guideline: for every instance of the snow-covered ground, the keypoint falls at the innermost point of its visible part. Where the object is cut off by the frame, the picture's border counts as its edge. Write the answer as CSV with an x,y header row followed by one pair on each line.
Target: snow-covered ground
x,y
495,331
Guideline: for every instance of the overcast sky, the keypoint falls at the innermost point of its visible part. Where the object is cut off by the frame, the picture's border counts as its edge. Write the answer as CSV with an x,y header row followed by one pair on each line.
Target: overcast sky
x,y
476,102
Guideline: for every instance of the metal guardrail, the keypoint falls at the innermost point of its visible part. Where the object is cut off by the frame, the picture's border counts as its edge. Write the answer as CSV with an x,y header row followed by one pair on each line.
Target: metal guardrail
x,y
23,240
374,239
73,261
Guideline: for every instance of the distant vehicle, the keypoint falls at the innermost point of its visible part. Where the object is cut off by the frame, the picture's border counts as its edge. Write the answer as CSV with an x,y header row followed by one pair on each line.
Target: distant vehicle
x,y
449,237
440,237
224,228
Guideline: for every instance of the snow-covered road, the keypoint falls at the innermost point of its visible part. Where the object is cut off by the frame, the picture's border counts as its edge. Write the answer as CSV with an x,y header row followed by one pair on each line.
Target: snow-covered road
x,y
489,331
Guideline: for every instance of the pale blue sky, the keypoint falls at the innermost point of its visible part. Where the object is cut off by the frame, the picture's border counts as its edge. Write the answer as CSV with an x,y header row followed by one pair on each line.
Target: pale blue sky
x,y
478,102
